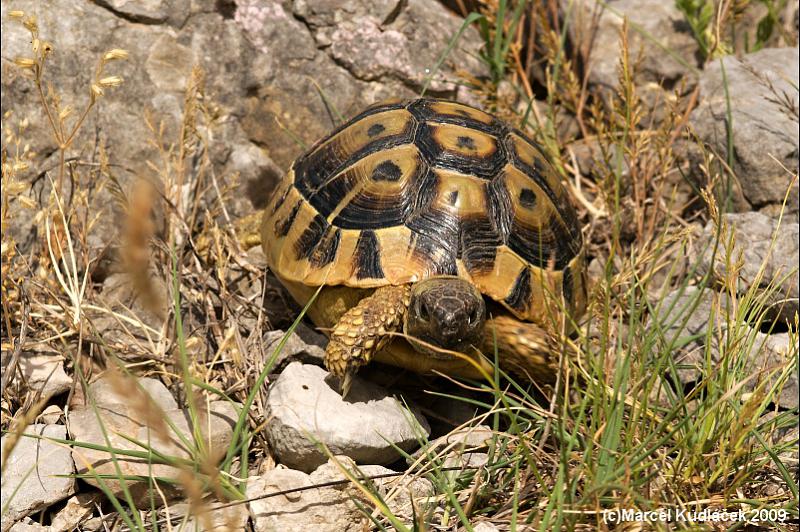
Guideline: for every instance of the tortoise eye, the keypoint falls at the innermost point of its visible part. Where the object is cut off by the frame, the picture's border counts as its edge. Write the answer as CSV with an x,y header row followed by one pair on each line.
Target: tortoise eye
x,y
473,316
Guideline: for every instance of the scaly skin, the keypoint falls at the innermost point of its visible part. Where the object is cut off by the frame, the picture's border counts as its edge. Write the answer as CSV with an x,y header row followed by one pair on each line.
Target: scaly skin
x,y
524,348
364,330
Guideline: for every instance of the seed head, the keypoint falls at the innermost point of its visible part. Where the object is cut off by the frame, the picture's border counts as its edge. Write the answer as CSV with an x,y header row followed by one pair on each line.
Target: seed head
x,y
110,81
31,24
24,62
116,53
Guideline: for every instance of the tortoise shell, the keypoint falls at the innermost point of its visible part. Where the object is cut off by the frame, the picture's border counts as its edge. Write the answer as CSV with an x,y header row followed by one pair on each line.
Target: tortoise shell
x,y
405,191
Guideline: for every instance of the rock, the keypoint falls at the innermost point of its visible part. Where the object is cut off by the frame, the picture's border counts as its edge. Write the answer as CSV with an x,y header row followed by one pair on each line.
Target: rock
x,y
130,338
661,21
31,480
78,509
149,11
303,406
459,441
311,336
164,40
43,373
762,243
484,526
592,161
762,88
125,410
329,508
295,349
710,308
231,519
461,449
28,525
51,415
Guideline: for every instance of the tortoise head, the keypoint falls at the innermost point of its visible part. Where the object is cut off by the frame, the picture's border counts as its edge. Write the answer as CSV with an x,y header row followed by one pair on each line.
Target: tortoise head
x,y
447,312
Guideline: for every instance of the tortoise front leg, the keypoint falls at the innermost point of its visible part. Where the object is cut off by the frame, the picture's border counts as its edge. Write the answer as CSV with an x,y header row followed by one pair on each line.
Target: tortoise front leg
x,y
364,330
523,348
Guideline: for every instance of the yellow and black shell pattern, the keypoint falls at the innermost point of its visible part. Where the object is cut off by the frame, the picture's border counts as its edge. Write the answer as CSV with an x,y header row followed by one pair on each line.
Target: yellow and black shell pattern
x,y
409,190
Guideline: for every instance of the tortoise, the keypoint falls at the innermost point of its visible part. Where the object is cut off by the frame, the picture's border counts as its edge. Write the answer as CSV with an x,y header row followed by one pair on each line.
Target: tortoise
x,y
430,228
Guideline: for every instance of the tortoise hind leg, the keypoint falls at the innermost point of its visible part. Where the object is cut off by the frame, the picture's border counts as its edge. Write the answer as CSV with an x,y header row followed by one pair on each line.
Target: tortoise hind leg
x,y
364,330
524,348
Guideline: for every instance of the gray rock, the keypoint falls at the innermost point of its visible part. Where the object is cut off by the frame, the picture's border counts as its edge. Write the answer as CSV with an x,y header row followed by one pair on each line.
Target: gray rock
x,y
762,88
77,510
125,411
686,318
485,526
303,406
51,415
28,525
31,480
658,19
231,519
160,59
43,373
770,253
295,350
149,11
459,441
329,508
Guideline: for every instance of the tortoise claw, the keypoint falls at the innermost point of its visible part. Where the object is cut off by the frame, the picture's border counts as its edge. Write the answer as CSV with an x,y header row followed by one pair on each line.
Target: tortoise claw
x,y
345,381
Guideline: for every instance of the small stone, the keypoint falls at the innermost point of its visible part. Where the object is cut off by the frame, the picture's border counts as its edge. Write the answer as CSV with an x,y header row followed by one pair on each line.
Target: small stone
x,y
230,519
32,478
28,525
302,407
43,372
294,350
485,526
461,440
51,415
78,509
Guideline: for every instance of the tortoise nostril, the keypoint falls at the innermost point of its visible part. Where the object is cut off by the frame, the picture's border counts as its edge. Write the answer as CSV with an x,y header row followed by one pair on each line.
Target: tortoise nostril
x,y
423,311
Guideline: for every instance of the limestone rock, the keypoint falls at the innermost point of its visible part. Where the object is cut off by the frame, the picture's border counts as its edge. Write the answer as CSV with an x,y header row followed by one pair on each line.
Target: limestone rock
x,y
762,90
762,243
685,319
329,508
31,480
43,373
661,21
141,415
321,60
304,405
295,349
231,519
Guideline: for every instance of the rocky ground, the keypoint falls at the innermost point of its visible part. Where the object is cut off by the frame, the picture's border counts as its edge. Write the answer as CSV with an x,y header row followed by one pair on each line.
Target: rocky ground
x,y
137,323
